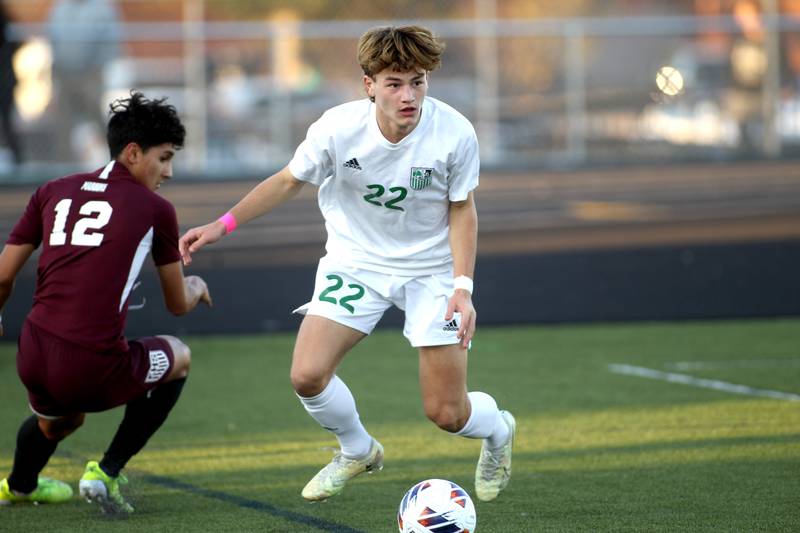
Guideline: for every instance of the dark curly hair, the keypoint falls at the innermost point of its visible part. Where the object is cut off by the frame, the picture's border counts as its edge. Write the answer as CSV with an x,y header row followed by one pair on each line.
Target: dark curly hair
x,y
145,122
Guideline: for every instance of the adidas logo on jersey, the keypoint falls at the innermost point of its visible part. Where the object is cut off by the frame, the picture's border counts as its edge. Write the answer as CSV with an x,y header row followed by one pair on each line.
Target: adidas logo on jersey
x,y
450,326
353,163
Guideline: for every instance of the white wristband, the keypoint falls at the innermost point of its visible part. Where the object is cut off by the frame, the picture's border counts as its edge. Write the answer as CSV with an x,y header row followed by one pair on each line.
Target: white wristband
x,y
463,282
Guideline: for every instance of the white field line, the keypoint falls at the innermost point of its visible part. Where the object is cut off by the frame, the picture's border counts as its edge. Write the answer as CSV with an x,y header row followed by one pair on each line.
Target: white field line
x,y
685,379
742,363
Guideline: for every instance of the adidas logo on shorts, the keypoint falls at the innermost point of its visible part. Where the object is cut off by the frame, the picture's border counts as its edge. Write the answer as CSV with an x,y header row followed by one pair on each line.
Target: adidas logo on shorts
x,y
451,326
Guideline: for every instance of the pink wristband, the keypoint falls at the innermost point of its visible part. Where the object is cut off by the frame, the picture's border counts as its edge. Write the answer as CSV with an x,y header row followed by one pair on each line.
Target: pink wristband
x,y
229,221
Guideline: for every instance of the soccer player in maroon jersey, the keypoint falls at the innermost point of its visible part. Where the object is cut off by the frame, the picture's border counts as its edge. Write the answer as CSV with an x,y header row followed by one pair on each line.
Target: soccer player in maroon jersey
x,y
96,230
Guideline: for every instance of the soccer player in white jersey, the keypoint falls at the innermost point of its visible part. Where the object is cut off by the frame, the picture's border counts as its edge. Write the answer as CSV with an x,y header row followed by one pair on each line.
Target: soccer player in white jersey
x,y
396,173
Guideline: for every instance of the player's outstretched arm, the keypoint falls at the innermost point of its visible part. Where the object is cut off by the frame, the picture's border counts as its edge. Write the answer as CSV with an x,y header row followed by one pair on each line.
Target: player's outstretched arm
x,y
182,294
12,259
463,244
267,195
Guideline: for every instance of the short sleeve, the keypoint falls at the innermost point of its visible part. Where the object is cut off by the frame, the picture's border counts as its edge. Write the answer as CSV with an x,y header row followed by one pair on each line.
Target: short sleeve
x,y
465,168
29,228
313,159
165,235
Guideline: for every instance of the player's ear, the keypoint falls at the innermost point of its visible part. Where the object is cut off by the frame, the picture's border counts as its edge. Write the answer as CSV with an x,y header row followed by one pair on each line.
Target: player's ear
x,y
369,87
132,153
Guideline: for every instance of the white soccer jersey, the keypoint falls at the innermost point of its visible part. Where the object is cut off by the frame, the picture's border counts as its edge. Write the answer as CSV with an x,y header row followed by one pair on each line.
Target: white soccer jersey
x,y
386,205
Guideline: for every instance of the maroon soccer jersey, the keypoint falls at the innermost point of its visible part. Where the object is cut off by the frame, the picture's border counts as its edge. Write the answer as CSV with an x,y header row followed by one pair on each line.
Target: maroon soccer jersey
x,y
96,230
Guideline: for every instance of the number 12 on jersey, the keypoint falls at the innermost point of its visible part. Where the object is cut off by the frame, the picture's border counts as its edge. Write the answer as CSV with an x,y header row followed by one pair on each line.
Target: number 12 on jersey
x,y
96,213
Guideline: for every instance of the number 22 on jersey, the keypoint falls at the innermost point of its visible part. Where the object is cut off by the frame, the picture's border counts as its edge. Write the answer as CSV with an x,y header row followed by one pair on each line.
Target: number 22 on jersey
x,y
96,213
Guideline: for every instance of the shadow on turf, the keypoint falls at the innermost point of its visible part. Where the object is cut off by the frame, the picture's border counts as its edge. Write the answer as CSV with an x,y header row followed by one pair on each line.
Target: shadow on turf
x,y
255,505
246,503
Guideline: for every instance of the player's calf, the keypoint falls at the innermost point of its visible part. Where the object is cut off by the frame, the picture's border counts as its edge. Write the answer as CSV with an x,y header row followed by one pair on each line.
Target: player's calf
x,y
143,417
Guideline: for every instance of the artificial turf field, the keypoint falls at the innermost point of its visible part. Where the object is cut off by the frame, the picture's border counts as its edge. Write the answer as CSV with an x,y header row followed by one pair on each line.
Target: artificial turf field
x,y
596,450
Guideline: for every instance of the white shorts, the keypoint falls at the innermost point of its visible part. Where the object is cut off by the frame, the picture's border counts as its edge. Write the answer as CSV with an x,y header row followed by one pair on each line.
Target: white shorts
x,y
358,298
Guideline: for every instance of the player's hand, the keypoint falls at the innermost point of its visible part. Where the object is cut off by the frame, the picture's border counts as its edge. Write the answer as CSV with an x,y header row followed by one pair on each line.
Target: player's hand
x,y
199,289
196,238
461,302
1,326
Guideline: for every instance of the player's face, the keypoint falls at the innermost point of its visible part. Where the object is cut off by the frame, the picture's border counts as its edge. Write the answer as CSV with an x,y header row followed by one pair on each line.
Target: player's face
x,y
154,165
398,99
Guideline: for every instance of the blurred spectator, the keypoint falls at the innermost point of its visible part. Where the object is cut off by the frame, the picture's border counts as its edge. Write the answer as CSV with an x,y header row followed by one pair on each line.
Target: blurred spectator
x,y
8,80
792,44
84,35
748,60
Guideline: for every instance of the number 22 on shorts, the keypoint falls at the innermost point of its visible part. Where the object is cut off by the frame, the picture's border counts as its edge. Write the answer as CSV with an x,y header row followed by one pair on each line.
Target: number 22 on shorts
x,y
344,301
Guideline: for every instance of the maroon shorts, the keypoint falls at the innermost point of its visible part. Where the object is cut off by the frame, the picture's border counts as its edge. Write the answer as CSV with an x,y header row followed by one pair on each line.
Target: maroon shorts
x,y
63,378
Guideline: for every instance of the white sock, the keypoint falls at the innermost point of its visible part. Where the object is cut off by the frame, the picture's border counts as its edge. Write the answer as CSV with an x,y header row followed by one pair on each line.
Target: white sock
x,y
335,410
485,421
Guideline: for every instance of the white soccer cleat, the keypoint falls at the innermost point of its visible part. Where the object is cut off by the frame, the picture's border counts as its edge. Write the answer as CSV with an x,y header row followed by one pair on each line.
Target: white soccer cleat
x,y
331,480
494,468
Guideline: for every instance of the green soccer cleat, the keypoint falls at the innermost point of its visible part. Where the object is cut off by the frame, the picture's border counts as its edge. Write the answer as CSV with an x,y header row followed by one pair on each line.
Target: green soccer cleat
x,y
47,491
331,480
494,468
97,486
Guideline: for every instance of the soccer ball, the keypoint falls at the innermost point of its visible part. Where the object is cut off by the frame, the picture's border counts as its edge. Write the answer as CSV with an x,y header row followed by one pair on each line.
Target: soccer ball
x,y
436,506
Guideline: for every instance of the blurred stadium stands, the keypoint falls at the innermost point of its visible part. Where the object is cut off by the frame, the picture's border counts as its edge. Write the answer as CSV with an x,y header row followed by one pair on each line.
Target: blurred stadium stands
x,y
546,85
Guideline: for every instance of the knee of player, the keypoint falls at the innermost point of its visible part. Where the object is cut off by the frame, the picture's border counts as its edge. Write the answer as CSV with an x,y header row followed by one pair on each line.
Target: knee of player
x,y
60,428
448,417
184,360
182,355
307,384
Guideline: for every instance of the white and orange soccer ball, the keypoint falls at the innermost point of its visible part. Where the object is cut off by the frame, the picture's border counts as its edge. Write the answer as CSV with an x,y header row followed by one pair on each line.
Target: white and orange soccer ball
x,y
436,506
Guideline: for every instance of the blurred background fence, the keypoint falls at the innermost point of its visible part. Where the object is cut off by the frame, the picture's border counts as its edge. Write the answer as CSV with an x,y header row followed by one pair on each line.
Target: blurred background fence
x,y
546,83
608,191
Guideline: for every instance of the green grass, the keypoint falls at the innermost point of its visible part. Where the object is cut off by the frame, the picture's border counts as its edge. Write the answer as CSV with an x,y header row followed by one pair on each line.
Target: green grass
x,y
595,451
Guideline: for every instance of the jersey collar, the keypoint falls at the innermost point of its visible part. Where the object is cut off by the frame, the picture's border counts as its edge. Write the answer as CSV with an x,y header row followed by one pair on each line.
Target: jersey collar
x,y
417,132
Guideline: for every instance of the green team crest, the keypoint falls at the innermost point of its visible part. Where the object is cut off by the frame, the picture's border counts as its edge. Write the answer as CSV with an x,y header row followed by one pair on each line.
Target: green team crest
x,y
421,177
